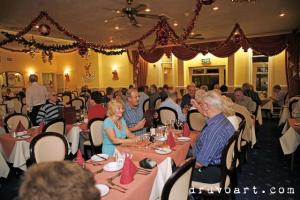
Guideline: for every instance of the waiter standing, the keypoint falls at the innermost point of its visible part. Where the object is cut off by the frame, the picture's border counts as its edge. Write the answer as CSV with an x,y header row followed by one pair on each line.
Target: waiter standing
x,y
36,96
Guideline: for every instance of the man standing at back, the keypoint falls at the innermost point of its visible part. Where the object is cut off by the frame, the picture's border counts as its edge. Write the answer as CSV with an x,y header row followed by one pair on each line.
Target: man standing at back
x,y
36,96
133,114
186,99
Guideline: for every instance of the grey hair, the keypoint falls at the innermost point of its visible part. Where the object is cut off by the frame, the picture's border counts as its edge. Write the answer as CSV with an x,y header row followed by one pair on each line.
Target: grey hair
x,y
213,99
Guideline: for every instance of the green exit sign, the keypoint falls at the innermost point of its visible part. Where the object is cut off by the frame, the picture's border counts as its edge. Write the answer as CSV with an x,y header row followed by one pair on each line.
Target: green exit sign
x,y
205,61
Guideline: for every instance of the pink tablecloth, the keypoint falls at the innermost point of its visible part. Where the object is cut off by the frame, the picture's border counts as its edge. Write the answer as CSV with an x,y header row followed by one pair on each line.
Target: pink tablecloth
x,y
178,155
8,142
138,189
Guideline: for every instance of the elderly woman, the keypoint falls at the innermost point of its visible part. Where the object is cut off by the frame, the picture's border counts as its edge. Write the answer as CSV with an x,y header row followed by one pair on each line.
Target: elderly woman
x,y
115,128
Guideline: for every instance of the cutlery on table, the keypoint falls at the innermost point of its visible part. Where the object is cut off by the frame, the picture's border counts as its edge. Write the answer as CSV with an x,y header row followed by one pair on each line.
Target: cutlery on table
x,y
101,157
112,188
115,176
98,171
146,170
113,184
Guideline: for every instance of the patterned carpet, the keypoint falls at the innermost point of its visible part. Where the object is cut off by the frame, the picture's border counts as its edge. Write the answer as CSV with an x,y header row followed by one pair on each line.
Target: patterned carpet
x,y
267,169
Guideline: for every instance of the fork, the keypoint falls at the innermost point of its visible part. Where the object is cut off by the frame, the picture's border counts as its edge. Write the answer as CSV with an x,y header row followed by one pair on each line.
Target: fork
x,y
110,187
113,184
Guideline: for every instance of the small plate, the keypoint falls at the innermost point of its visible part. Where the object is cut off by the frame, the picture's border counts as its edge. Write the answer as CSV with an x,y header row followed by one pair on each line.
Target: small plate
x,y
112,167
24,137
103,189
183,139
35,127
98,158
163,150
21,133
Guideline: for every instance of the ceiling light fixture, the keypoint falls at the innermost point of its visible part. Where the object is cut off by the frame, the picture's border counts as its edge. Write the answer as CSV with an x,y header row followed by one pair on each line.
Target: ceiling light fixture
x,y
111,40
118,12
117,27
175,24
147,10
241,1
36,26
216,8
282,15
106,21
192,33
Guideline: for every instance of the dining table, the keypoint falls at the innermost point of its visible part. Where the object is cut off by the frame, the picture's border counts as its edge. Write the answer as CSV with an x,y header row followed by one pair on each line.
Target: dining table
x,y
144,186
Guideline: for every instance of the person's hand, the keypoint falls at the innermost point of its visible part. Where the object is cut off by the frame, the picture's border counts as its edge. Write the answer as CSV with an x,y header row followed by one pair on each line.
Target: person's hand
x,y
194,103
141,124
185,110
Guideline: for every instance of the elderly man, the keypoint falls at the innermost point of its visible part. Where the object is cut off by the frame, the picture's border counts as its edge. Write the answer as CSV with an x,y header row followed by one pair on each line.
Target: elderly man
x,y
186,99
213,138
279,95
170,102
36,96
50,110
241,99
133,114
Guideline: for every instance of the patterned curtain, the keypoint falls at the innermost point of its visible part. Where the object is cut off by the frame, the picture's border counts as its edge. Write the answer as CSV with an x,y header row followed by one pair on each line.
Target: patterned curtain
x,y
293,64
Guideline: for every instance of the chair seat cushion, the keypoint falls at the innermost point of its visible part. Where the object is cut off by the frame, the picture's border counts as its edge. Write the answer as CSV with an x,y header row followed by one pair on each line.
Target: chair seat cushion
x,y
206,186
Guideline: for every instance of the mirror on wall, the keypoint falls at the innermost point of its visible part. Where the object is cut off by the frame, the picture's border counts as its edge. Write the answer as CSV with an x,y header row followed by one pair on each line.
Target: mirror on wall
x,y
12,79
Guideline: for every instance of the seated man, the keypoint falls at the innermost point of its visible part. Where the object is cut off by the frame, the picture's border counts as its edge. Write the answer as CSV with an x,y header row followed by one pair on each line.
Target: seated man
x,y
241,99
96,110
58,180
186,99
214,136
170,102
279,96
50,110
248,91
133,114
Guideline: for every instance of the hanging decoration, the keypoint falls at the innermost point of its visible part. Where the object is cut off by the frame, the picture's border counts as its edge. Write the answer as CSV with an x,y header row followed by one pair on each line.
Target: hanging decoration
x,y
88,75
162,29
44,29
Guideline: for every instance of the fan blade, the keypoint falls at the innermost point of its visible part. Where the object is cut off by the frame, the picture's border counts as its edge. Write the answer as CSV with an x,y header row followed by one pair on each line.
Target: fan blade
x,y
149,16
140,7
111,9
133,21
115,17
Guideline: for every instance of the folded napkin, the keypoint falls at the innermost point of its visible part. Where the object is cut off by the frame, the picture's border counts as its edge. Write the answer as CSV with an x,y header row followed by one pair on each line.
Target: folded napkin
x,y
20,127
128,172
171,140
186,130
79,158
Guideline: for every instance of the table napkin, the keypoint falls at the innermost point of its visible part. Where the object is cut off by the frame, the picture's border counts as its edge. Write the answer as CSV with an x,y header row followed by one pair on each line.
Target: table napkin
x,y
20,127
171,140
128,172
186,130
79,158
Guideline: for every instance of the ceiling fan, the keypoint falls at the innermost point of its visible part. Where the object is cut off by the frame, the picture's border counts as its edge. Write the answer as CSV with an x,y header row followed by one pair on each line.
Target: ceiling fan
x,y
132,12
196,36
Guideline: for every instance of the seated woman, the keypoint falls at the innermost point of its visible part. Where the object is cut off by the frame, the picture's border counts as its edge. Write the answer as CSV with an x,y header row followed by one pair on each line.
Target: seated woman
x,y
115,128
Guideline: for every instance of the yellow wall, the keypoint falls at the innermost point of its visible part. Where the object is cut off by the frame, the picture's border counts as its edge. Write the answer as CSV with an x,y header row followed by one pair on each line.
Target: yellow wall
x,y
154,74
241,68
121,63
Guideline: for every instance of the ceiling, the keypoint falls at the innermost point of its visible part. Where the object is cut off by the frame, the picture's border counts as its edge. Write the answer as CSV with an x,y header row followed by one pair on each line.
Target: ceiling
x,y
86,17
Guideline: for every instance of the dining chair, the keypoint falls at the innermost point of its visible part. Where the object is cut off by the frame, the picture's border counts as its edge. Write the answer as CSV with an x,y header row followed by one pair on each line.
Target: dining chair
x,y
228,173
178,185
95,136
11,121
3,109
146,105
77,103
17,105
56,126
66,99
157,103
195,120
24,109
48,146
167,115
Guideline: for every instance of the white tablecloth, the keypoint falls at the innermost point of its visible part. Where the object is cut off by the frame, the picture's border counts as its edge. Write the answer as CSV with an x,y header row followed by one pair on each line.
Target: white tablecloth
x,y
259,116
4,169
268,106
164,172
284,115
73,137
289,141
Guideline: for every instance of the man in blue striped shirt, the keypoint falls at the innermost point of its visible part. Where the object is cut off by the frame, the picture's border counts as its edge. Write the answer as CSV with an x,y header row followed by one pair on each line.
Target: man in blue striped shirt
x,y
50,110
133,114
212,139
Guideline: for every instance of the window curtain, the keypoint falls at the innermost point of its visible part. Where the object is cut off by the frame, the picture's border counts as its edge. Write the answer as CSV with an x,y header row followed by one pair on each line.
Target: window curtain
x,y
293,64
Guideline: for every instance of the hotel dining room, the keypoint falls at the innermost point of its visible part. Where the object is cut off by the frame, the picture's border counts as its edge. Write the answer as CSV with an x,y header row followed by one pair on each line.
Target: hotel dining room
x,y
149,99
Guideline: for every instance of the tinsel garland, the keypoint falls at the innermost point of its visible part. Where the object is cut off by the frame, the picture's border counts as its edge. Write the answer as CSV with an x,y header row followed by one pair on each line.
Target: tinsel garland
x,y
162,36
